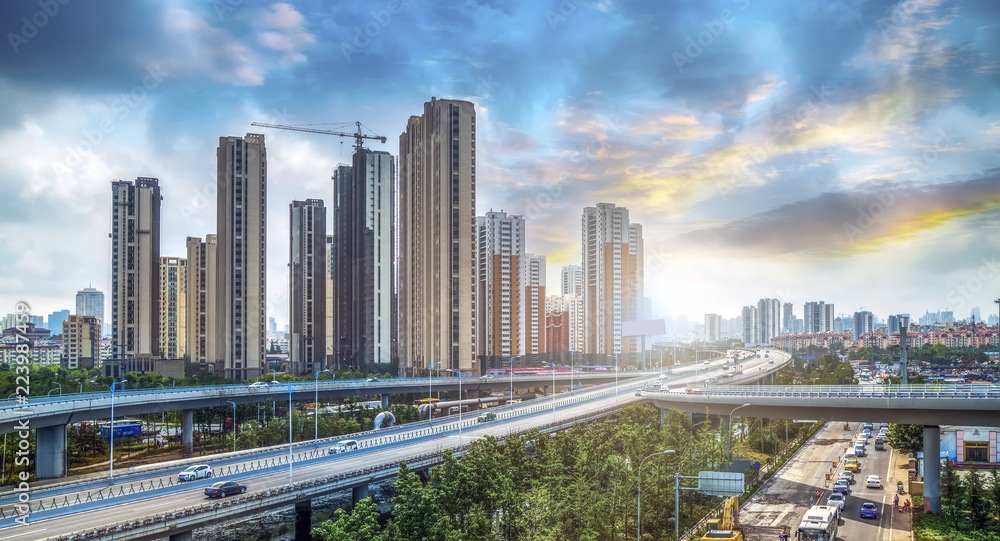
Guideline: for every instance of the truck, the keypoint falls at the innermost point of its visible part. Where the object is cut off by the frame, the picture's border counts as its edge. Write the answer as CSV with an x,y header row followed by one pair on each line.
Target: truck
x,y
726,528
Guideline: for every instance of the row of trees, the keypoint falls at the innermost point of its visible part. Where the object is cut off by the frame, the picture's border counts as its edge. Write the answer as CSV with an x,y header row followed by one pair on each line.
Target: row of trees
x,y
579,484
825,370
970,503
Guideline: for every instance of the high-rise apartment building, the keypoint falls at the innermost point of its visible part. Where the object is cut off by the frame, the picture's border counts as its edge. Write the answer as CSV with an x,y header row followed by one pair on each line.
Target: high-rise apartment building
x,y
713,327
90,302
750,324
500,285
612,274
81,342
787,317
437,238
864,323
202,314
307,286
571,280
572,307
135,276
55,321
818,317
769,319
241,227
363,252
173,307
533,303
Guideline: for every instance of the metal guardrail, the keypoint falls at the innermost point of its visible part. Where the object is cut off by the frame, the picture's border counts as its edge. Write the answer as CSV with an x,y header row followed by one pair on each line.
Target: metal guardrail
x,y
930,391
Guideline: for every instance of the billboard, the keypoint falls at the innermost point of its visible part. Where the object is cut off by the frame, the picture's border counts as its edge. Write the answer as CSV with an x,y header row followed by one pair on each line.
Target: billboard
x,y
717,483
644,327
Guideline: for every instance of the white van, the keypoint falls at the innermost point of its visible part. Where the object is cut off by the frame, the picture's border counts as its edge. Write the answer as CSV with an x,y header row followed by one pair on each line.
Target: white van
x,y
850,455
344,446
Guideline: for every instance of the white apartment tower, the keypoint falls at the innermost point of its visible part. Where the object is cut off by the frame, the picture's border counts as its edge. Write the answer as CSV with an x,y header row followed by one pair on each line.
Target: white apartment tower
x,y
713,327
769,320
241,220
437,238
571,280
202,316
533,302
173,307
135,276
500,284
818,317
750,324
612,276
307,286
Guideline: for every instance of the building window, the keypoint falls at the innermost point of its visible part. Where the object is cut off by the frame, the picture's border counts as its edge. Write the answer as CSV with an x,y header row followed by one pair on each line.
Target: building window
x,y
977,451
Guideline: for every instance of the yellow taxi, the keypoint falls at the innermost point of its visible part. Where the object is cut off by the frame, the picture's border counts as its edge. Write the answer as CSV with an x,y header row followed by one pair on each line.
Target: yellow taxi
x,y
852,465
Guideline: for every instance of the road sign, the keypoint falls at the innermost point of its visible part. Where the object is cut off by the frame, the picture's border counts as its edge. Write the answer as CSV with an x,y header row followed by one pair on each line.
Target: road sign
x,y
756,465
714,483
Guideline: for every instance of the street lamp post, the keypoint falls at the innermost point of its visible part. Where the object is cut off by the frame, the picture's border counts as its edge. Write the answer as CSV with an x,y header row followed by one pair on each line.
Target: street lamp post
x,y
616,378
731,431
60,388
553,392
234,423
289,432
511,373
316,403
430,393
111,462
638,505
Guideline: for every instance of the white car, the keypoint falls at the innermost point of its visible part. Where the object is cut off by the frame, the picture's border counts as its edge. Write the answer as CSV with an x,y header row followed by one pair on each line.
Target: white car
x,y
837,499
257,385
873,481
193,473
344,446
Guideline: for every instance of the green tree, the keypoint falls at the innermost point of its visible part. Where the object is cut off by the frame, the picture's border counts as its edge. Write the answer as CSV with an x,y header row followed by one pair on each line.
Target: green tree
x,y
975,498
995,488
359,524
416,510
906,438
951,493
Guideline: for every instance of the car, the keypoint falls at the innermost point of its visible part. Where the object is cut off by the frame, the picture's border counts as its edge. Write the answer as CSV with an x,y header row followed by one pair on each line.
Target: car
x,y
638,392
847,476
371,379
867,433
863,437
770,362
192,473
869,426
707,362
852,465
841,487
879,445
486,417
257,385
869,510
837,500
224,488
859,450
873,481
344,446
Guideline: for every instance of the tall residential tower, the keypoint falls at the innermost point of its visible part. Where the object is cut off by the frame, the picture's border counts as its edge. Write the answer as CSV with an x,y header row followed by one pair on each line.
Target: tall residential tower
x,y
499,286
307,286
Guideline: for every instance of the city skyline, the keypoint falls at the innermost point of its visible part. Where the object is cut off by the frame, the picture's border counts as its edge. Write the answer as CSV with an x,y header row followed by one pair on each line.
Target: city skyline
x,y
754,175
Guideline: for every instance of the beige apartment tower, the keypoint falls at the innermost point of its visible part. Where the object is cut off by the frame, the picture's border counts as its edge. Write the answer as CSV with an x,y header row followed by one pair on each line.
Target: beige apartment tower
x,y
612,278
81,337
499,286
202,317
437,239
173,307
241,219
533,300
135,276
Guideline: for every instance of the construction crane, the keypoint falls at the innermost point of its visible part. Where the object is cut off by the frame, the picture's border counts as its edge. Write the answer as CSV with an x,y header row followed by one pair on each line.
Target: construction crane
x,y
358,136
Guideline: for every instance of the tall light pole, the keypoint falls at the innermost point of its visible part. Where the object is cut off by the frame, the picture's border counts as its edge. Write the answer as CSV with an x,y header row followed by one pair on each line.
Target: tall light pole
x,y
60,388
234,423
553,392
511,372
316,403
289,432
572,368
459,372
731,431
638,505
616,378
430,395
111,462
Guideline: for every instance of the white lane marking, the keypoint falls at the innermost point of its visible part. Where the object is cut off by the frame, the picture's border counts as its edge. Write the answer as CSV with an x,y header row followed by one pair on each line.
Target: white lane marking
x,y
23,533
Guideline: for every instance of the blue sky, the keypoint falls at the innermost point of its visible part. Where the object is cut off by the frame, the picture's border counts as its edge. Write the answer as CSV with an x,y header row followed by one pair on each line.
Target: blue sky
x,y
804,150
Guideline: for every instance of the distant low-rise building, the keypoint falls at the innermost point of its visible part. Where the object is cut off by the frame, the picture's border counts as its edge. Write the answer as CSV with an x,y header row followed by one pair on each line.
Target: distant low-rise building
x,y
81,342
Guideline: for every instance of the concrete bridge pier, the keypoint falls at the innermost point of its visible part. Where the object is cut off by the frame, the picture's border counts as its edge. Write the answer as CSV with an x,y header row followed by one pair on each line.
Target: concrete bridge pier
x,y
932,469
182,536
50,452
358,493
187,432
385,401
472,393
303,520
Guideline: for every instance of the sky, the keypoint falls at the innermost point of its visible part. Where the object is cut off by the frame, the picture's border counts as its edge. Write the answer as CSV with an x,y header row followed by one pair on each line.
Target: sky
x,y
805,150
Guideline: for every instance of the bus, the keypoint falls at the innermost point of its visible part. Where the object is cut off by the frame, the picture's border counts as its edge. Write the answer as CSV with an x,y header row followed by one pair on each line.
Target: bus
x,y
124,428
819,524
423,401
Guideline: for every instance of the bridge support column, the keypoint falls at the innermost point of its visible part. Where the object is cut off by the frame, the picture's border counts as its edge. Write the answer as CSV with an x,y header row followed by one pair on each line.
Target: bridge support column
x,y
932,469
50,445
472,393
358,493
385,401
303,520
187,432
182,536
545,391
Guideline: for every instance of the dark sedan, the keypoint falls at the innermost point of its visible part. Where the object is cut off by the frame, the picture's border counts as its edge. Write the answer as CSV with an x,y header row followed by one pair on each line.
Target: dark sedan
x,y
224,488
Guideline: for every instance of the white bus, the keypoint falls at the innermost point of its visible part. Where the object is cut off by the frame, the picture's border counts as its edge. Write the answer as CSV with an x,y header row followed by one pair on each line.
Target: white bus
x,y
819,524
